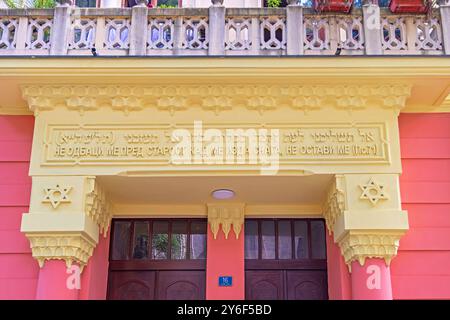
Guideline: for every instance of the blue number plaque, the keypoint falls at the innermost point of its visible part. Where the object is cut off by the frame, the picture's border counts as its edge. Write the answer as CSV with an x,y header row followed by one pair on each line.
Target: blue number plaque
x,y
225,281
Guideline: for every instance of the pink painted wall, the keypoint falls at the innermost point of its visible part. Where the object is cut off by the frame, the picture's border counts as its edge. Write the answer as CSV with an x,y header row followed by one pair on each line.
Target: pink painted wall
x,y
422,268
18,270
54,282
339,284
225,258
371,281
94,278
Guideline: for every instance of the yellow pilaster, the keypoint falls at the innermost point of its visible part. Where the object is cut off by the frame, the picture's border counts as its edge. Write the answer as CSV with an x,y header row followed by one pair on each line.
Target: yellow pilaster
x,y
66,215
363,211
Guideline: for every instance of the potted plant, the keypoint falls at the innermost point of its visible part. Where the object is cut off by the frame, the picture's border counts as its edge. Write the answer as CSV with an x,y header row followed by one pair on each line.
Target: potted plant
x,y
410,6
333,5
273,3
35,4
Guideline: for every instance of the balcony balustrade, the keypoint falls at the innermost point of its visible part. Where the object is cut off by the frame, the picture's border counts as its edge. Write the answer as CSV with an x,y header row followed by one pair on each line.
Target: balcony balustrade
x,y
220,31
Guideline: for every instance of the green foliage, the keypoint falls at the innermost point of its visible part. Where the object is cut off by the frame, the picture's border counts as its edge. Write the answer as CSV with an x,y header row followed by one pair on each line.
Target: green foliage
x,y
165,6
273,3
36,4
161,242
42,4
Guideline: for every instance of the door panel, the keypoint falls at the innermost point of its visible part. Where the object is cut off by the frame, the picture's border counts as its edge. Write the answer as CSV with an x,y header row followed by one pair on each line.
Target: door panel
x,y
285,259
181,285
306,285
132,285
264,285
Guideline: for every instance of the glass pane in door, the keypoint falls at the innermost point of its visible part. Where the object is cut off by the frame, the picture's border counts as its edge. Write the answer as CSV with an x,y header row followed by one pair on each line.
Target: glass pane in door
x,y
121,240
301,239
251,239
179,240
284,240
160,240
318,240
268,239
140,243
198,240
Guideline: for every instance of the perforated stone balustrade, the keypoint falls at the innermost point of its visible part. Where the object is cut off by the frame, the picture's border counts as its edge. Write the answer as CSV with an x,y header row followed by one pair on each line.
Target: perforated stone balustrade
x,y
217,30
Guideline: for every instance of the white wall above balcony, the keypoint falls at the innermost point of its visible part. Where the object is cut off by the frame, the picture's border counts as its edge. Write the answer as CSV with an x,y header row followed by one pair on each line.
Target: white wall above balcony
x,y
226,3
110,3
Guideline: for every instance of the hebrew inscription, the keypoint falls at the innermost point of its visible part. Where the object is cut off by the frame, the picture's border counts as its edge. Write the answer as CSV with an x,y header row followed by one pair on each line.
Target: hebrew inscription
x,y
147,144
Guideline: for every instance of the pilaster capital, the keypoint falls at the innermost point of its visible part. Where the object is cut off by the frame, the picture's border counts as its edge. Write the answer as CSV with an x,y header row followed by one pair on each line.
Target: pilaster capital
x,y
363,211
360,245
226,215
70,247
65,217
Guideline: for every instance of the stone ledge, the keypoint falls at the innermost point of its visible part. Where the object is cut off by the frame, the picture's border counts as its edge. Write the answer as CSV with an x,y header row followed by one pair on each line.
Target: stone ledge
x,y
26,12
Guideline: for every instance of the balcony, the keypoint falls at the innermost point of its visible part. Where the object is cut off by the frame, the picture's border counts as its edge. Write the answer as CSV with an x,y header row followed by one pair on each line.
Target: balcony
x,y
220,31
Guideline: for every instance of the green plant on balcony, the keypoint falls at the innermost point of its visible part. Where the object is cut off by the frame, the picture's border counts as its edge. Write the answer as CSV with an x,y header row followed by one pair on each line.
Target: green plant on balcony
x,y
37,4
163,4
273,3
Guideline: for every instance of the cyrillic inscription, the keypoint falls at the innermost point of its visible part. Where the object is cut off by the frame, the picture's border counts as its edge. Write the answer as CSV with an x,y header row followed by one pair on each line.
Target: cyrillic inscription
x,y
298,143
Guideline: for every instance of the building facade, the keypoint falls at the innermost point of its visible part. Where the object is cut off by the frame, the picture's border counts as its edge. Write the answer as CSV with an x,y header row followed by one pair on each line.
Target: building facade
x,y
224,153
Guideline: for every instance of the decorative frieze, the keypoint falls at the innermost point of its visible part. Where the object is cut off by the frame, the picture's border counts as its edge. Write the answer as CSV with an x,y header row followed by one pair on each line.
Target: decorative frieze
x,y
70,247
227,216
217,98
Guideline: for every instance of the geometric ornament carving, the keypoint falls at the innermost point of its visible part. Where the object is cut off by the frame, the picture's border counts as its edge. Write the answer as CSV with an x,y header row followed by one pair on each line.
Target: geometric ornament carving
x,y
373,192
334,205
56,195
97,206
68,246
214,97
359,246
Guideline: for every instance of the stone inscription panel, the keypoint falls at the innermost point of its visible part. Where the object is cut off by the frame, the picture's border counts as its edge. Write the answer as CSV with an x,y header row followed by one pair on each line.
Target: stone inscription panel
x,y
153,145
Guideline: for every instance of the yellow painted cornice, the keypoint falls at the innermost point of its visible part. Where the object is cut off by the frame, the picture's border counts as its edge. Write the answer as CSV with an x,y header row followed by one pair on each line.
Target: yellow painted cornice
x,y
212,66
429,77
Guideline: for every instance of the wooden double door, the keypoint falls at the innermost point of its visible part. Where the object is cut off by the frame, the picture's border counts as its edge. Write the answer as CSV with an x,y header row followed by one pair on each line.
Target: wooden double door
x,y
157,259
285,259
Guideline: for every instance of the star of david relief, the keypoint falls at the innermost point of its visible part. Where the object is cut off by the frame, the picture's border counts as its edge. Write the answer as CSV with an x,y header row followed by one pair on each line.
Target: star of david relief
x,y
56,195
373,192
